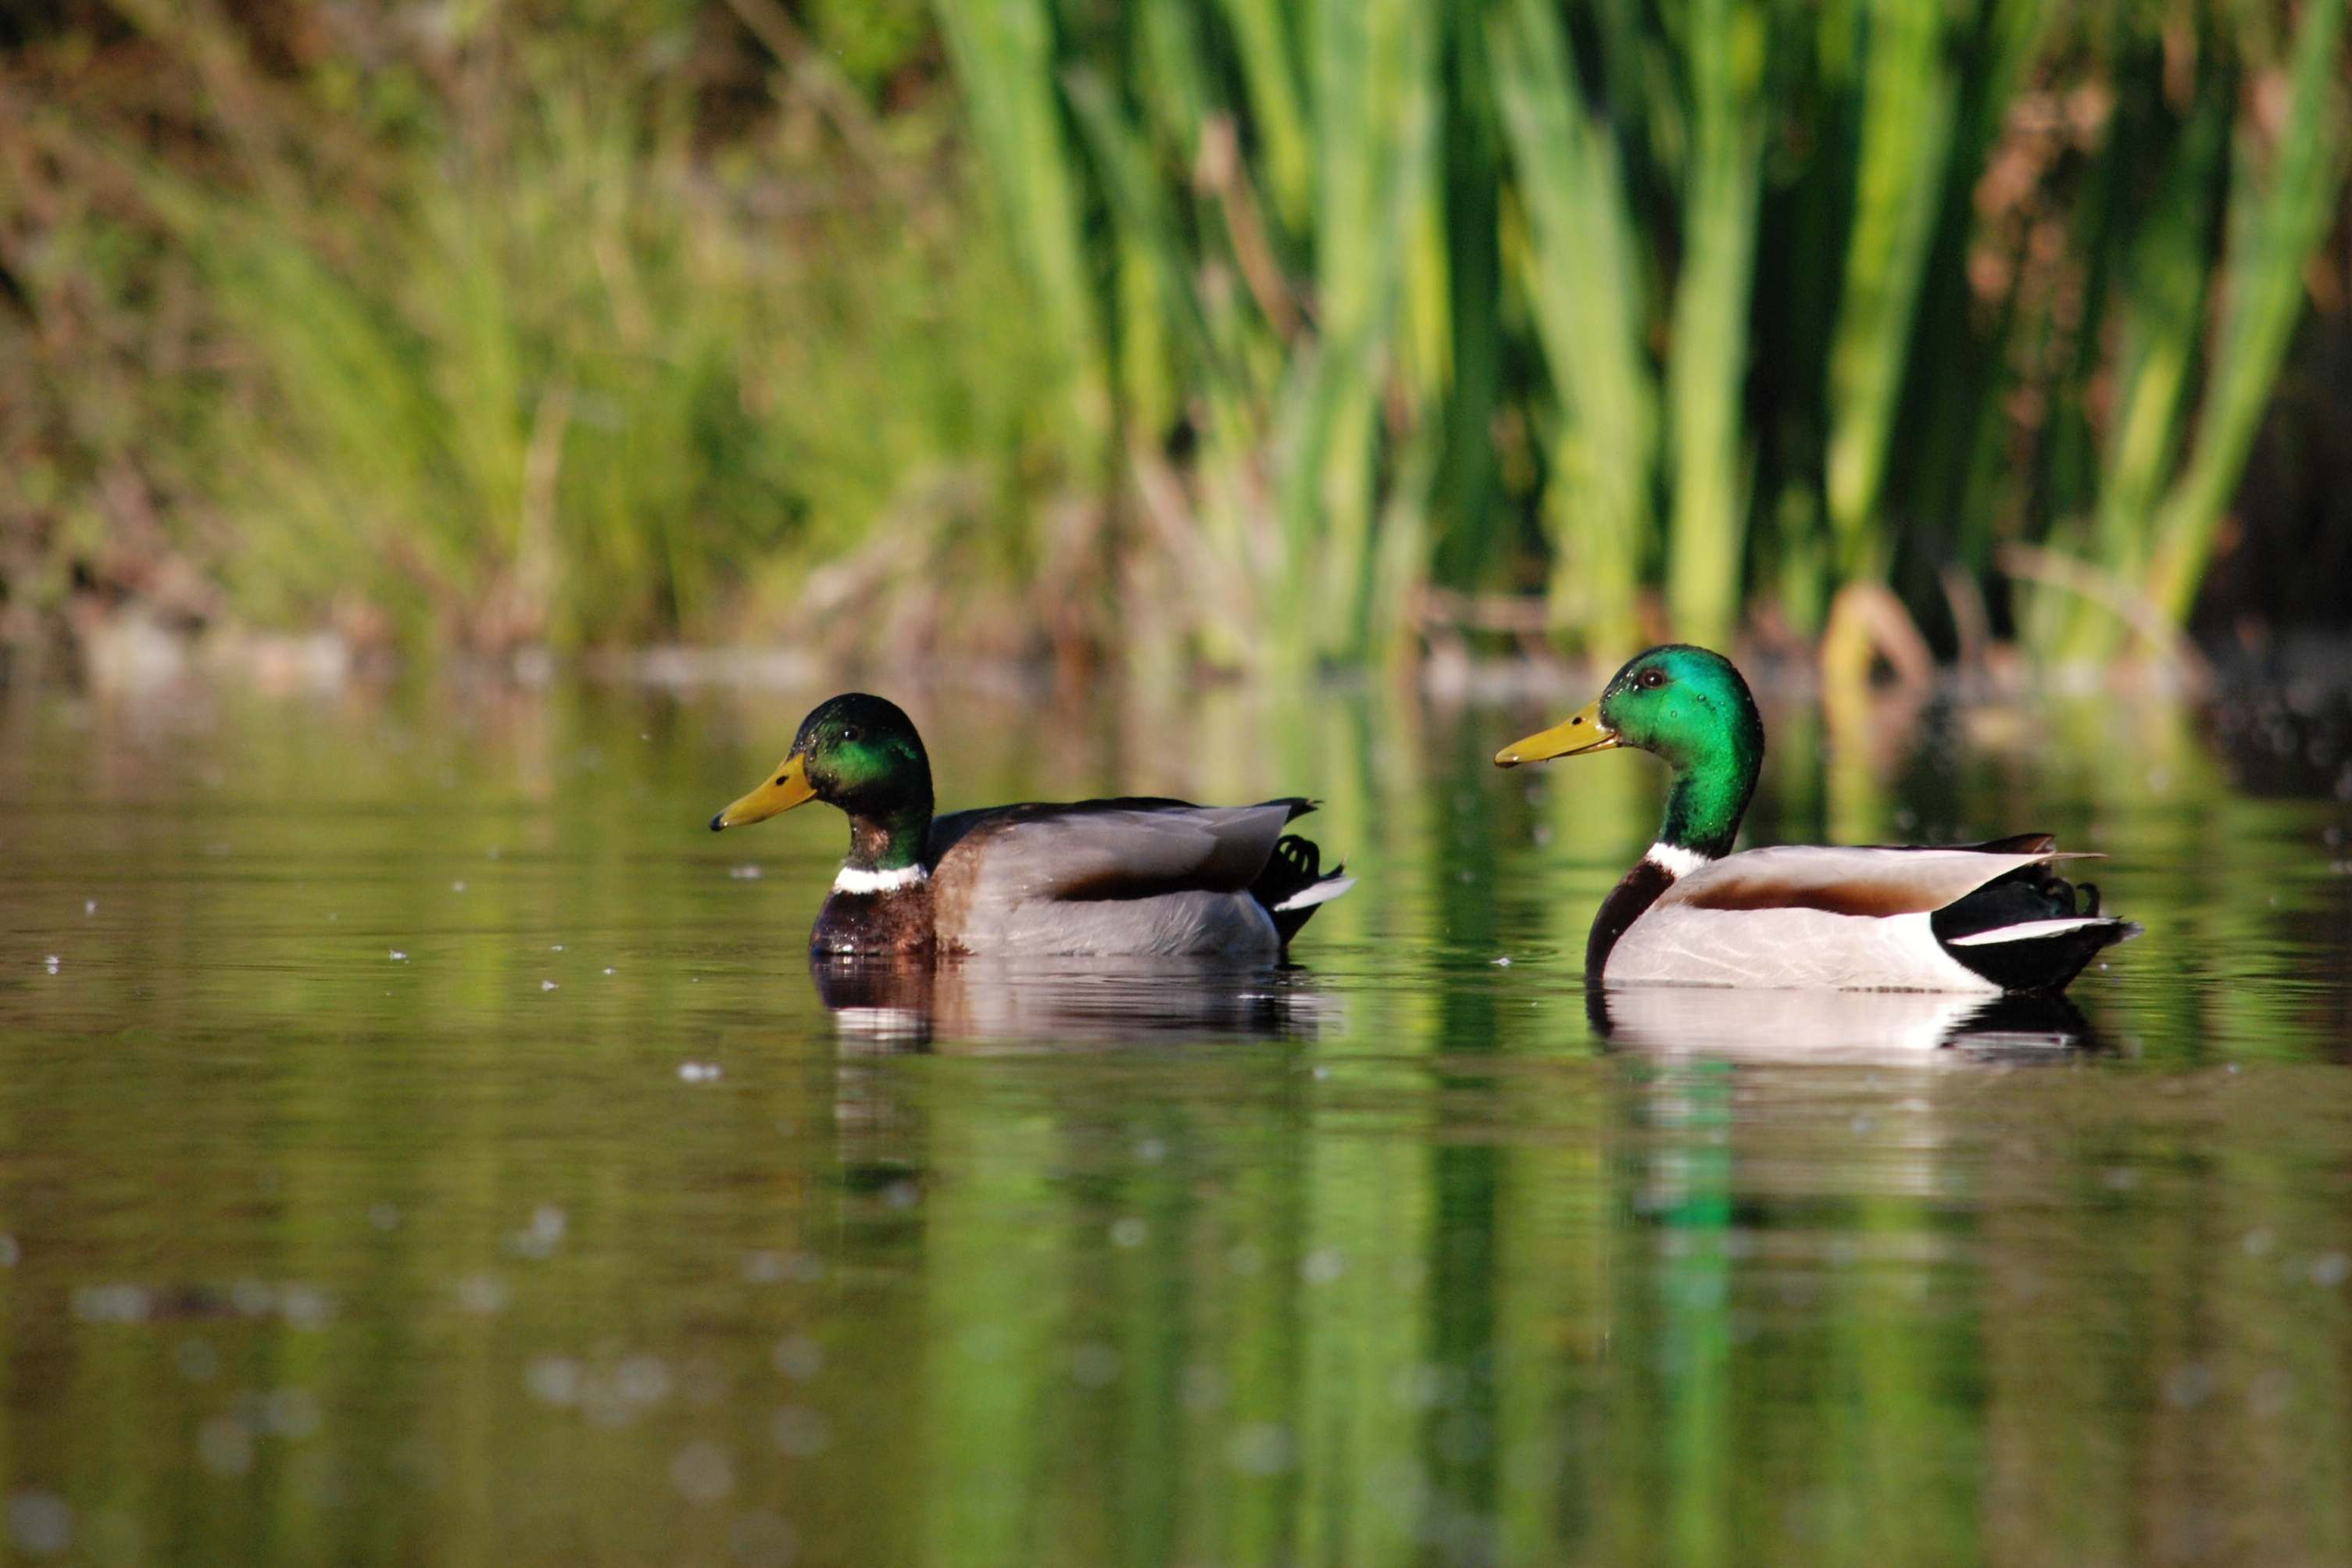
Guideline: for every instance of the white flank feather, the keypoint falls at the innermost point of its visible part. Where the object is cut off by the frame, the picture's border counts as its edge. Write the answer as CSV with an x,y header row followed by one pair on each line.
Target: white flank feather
x,y
1787,949
1323,892
2027,930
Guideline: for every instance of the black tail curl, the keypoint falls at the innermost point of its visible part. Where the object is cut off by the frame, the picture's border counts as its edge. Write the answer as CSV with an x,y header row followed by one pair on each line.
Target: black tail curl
x,y
1296,865
2036,963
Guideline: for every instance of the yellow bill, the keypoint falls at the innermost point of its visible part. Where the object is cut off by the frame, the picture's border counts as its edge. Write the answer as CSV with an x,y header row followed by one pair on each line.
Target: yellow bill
x,y
788,787
1580,732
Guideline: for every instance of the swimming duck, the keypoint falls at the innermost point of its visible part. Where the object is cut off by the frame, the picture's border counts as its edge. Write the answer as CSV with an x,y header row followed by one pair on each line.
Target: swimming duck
x,y
1966,917
1136,875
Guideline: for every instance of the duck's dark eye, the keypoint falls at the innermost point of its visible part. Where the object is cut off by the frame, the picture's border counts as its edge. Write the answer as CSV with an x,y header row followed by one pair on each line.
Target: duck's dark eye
x,y
1651,680
848,734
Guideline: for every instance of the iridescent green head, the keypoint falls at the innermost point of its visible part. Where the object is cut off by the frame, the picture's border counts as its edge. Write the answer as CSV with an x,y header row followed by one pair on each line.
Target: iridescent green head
x,y
860,753
1688,705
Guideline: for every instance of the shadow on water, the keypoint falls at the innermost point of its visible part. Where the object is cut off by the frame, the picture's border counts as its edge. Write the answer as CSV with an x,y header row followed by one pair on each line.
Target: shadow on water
x,y
421,1142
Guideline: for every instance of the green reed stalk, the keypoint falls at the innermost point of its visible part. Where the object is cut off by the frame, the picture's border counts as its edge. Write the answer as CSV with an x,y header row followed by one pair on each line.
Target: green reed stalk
x,y
1580,265
2276,224
1709,364
1908,90
1005,59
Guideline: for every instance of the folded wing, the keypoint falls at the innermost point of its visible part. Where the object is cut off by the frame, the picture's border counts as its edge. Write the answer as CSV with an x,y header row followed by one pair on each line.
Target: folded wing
x,y
1121,849
1853,881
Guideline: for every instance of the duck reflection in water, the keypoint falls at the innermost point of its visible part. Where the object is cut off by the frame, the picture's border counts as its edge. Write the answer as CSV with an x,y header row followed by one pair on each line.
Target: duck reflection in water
x,y
885,1005
1915,1028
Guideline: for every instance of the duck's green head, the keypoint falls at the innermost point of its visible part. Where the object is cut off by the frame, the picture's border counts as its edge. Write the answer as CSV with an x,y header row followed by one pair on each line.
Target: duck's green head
x,y
857,752
1687,704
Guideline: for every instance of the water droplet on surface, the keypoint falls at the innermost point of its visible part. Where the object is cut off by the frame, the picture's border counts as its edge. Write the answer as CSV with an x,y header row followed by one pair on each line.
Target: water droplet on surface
x,y
2330,1269
798,1357
642,1380
554,1380
762,1540
547,985
1128,1232
304,1306
1205,1388
2188,1385
699,1072
1261,1448
1323,1265
291,1412
110,1303
225,1446
398,956
1095,1366
41,1524
800,1431
702,1472
482,1293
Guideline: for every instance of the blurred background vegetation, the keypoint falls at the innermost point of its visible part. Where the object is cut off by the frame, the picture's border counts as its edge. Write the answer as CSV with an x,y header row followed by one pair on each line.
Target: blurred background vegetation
x,y
1243,333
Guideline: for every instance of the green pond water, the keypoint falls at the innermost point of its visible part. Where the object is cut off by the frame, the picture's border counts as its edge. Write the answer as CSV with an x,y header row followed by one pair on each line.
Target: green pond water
x,y
422,1142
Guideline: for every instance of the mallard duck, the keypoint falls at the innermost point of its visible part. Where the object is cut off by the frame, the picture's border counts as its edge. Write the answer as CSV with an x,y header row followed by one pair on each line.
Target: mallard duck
x,y
1131,876
1964,917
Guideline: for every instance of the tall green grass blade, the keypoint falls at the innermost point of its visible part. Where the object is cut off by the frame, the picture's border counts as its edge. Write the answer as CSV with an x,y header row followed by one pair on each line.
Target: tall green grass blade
x,y
2277,223
1952,485
1004,55
2163,304
1708,365
1580,267
1906,132
1468,542
1374,118
1266,35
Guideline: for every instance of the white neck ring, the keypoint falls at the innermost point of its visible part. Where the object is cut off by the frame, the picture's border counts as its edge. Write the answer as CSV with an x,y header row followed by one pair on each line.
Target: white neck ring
x,y
1677,862
852,879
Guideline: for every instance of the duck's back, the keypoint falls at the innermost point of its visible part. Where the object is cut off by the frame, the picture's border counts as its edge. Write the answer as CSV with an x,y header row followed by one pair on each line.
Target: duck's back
x,y
1130,875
